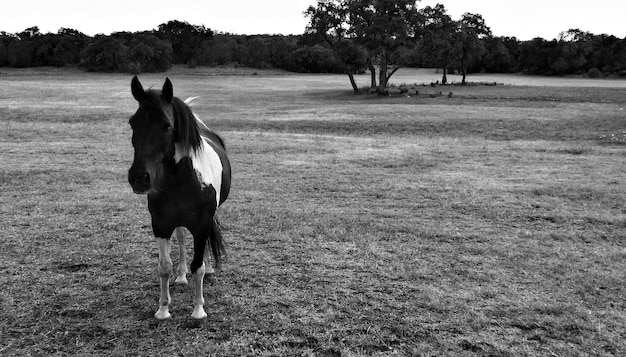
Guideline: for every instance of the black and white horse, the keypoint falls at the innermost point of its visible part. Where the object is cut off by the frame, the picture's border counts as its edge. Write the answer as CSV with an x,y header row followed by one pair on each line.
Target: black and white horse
x,y
182,166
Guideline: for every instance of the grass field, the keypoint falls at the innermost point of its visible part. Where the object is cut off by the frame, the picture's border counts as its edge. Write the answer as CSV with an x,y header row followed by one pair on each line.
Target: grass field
x,y
488,222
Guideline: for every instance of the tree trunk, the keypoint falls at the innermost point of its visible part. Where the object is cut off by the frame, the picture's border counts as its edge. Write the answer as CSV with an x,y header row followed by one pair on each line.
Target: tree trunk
x,y
395,69
382,77
353,82
382,71
444,80
372,69
464,69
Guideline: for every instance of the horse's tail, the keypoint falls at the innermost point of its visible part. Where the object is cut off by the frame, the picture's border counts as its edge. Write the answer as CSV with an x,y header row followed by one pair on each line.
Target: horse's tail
x,y
216,242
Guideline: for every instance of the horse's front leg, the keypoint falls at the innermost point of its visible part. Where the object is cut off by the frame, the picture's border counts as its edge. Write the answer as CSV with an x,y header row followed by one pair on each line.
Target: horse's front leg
x,y
198,301
181,272
165,270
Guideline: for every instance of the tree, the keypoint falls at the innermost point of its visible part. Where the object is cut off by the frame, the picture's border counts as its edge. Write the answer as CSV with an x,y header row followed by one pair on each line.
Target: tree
x,y
147,53
533,57
382,27
29,33
606,53
468,44
68,46
574,46
352,59
259,52
328,25
314,59
21,49
5,40
186,39
280,49
497,58
512,45
105,54
437,40
219,51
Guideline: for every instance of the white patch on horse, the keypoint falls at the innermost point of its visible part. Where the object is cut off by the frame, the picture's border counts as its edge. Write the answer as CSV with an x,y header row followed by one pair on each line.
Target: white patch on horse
x,y
208,167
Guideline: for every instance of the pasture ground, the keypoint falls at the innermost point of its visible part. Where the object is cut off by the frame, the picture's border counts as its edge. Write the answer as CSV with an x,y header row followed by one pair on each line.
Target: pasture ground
x,y
491,222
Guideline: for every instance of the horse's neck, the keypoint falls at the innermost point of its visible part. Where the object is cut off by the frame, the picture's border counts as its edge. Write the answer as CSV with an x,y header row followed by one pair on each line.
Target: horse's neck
x,y
176,176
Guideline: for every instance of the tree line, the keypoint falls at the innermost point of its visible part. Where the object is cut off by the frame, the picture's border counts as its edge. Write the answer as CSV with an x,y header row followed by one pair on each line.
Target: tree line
x,y
342,36
174,42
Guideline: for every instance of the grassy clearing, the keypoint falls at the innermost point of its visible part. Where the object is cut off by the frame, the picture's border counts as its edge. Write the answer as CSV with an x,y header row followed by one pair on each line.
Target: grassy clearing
x,y
489,223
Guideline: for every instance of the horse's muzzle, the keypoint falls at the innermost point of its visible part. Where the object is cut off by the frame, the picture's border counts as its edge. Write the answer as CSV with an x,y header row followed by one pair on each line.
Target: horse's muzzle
x,y
139,181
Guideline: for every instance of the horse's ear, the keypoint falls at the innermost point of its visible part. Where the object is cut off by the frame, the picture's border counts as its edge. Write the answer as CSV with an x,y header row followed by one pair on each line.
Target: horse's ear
x,y
137,89
168,91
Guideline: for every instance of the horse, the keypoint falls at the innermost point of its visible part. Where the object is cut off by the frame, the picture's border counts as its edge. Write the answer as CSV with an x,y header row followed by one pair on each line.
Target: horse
x,y
181,165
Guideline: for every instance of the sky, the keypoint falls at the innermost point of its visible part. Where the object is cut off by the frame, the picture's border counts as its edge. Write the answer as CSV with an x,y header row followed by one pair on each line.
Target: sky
x,y
525,19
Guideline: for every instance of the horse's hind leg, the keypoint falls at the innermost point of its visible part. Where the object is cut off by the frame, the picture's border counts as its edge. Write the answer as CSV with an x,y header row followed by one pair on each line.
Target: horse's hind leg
x,y
198,269
207,259
215,234
165,270
181,272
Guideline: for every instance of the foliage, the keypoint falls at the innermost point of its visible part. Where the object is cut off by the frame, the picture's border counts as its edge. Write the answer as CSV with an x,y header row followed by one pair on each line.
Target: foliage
x,y
383,27
316,59
497,57
342,36
186,39
437,40
66,50
31,48
594,73
445,43
150,54
468,46
572,54
351,56
105,54
386,28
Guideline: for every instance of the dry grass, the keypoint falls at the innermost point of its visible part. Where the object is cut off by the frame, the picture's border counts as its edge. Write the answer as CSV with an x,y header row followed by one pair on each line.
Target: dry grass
x,y
489,223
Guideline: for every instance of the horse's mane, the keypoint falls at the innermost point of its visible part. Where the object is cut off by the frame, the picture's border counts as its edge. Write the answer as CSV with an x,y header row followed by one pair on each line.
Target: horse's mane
x,y
186,126
203,129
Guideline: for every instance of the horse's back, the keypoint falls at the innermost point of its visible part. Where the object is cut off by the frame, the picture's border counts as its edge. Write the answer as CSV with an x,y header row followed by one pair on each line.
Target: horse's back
x,y
212,136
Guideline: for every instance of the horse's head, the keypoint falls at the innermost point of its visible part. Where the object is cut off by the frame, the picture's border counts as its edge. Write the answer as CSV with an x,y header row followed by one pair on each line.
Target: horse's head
x,y
153,135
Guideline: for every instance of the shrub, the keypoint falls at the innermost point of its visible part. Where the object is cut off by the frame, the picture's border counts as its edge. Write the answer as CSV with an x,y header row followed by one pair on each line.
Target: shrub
x,y
314,59
594,73
134,68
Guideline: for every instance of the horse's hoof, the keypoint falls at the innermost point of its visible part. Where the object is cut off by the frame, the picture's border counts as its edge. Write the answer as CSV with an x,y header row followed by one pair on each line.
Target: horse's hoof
x,y
181,280
198,313
162,313
209,269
